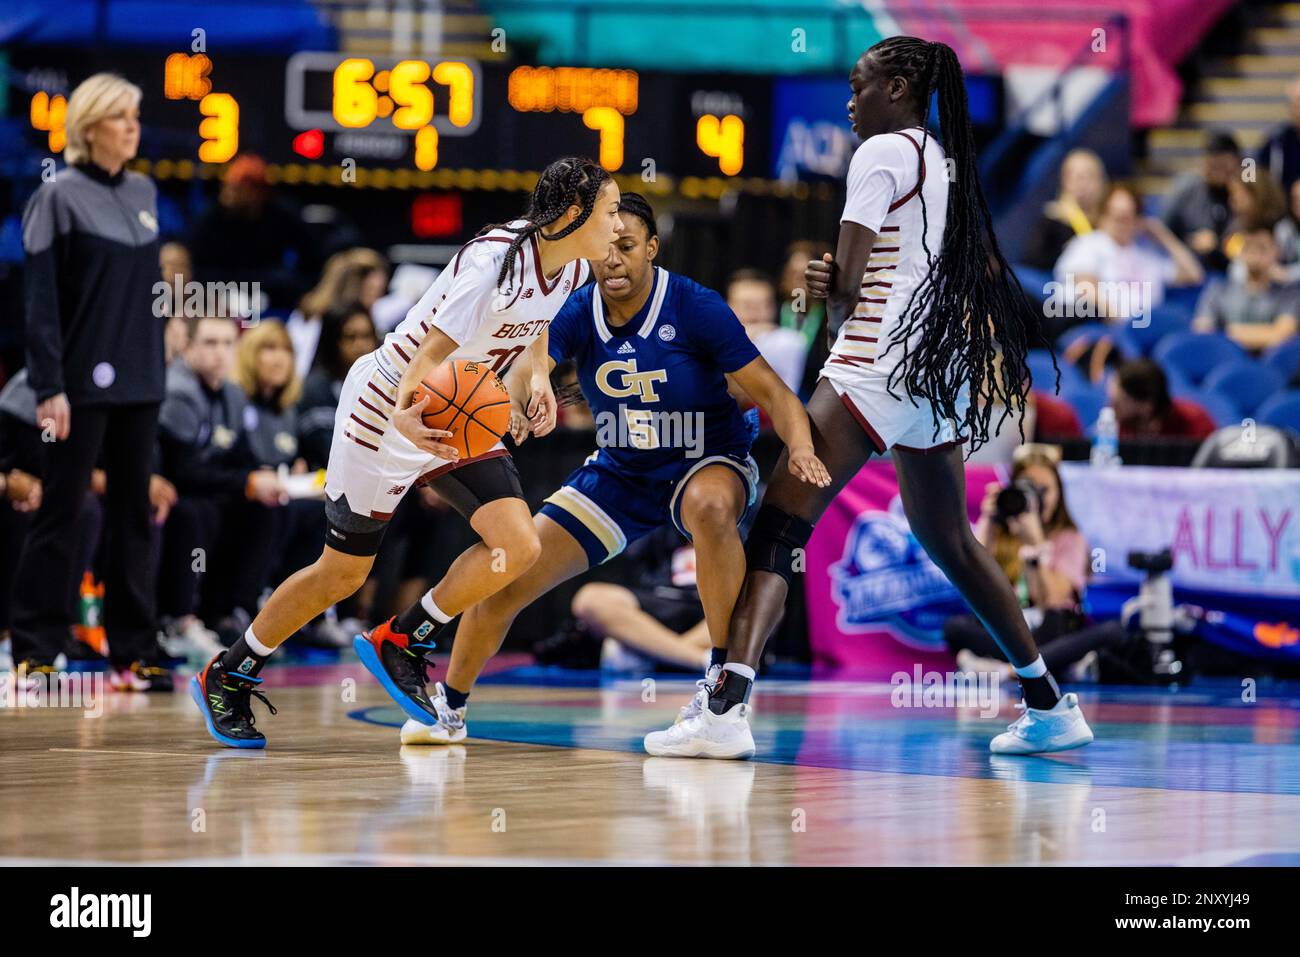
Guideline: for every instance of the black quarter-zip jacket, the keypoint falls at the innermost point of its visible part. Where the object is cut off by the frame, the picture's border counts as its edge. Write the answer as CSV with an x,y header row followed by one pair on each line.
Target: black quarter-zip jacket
x,y
92,261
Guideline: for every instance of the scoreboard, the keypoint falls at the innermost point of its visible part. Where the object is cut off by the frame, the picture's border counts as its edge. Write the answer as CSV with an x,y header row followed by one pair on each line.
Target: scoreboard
x,y
412,113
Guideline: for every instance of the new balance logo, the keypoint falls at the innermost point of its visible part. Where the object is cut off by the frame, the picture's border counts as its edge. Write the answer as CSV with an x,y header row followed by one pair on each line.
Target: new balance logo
x,y
528,293
397,490
625,348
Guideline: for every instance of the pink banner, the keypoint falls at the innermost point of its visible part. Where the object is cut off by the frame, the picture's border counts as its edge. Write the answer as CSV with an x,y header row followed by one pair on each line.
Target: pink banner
x,y
876,603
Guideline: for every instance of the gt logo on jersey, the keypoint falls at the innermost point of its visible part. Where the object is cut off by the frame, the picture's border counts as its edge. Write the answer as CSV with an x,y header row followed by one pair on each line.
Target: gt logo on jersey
x,y
631,382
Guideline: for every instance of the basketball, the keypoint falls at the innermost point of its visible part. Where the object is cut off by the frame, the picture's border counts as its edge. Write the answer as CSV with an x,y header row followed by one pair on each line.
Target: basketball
x,y
467,399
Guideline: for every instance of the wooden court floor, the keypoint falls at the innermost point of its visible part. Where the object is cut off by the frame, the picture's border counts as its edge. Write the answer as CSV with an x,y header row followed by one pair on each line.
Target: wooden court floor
x,y
553,774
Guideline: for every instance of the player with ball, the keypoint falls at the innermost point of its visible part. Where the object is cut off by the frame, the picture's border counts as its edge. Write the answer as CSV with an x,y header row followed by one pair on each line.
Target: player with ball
x,y
441,366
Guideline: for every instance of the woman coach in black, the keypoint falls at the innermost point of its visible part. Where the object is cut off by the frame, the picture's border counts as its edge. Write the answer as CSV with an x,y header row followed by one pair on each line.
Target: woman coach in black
x,y
95,362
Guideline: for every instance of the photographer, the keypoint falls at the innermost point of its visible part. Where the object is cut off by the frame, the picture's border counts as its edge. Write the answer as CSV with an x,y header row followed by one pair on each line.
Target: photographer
x,y
1027,528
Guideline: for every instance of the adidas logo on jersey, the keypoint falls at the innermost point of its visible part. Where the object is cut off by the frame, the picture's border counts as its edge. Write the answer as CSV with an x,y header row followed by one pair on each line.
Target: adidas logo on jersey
x,y
625,348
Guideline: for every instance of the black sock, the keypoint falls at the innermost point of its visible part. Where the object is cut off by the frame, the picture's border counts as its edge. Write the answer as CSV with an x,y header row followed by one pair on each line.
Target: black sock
x,y
717,656
416,623
732,689
242,659
1040,693
455,698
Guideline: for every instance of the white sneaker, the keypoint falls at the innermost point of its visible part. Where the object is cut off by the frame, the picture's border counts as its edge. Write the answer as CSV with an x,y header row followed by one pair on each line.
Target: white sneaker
x,y
700,700
706,735
1038,732
450,728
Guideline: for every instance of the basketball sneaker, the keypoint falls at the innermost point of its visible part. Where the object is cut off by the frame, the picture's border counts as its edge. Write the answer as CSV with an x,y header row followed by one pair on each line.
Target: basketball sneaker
x,y
224,698
1040,732
700,700
450,728
141,676
706,735
401,666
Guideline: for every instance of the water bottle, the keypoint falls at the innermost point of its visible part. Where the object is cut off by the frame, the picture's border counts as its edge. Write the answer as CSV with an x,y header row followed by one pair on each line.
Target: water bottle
x,y
1105,447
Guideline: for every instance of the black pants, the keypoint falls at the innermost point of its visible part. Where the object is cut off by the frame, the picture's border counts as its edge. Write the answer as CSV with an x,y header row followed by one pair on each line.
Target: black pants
x,y
121,438
224,542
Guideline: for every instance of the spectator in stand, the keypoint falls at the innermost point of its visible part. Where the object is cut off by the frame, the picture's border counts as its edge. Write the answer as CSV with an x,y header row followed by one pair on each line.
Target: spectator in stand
x,y
177,270
229,501
95,364
264,369
1257,202
346,334
355,275
1197,209
1139,393
751,295
1280,154
1256,310
1075,211
1287,233
251,235
810,324
1115,271
1042,552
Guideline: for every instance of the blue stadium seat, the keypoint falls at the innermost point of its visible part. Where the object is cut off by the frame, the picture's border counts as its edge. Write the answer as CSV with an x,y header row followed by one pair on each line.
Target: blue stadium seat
x,y
1282,410
1165,319
1087,401
1243,382
1221,409
1040,367
1184,297
1194,354
1032,280
1284,357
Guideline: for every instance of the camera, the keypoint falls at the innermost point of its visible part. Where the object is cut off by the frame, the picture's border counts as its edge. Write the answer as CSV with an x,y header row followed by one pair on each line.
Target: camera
x,y
1158,619
1016,499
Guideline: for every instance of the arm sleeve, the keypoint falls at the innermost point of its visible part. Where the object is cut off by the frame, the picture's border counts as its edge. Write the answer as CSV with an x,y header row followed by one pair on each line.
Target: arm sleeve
x,y
876,175
565,332
44,221
473,281
719,334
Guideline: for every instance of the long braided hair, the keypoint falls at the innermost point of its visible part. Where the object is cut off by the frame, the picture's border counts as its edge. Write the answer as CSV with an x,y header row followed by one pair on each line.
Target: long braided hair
x,y
570,181
970,309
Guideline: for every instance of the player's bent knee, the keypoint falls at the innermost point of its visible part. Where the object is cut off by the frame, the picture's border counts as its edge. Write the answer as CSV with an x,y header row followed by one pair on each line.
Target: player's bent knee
x,y
777,542
706,514
341,576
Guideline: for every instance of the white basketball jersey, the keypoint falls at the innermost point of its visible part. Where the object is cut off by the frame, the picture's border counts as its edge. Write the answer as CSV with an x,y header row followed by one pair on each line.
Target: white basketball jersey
x,y
488,325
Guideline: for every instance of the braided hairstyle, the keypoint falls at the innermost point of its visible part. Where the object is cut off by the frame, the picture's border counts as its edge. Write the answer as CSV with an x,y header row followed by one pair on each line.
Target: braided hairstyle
x,y
970,309
570,181
637,205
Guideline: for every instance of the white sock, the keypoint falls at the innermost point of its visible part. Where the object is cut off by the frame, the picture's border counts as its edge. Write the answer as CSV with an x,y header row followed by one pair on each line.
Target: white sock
x,y
257,647
436,613
743,670
1035,669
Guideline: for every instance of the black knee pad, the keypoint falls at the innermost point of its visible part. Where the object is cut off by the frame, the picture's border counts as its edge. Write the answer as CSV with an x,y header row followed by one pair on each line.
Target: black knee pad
x,y
773,540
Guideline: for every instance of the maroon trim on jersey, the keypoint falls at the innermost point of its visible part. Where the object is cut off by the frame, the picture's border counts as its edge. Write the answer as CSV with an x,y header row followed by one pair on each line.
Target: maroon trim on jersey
x,y
379,392
361,421
862,338
537,268
362,400
862,421
372,448
889,229
869,299
428,477
920,179
404,356
941,447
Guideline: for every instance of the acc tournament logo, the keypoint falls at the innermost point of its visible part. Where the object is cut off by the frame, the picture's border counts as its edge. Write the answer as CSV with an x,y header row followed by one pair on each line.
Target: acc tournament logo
x,y
885,577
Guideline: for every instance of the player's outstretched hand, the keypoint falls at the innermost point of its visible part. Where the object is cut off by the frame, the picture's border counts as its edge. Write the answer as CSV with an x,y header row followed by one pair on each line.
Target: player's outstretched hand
x,y
519,424
541,408
410,423
817,276
805,464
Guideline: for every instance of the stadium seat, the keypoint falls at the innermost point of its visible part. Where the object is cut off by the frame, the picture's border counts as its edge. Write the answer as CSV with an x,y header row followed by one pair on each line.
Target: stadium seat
x,y
1033,280
1165,319
1184,297
1243,382
1220,408
1282,410
1284,357
1040,367
1194,354
1087,402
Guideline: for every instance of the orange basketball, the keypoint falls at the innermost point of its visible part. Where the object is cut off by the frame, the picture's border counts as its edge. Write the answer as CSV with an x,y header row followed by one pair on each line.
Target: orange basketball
x,y
467,399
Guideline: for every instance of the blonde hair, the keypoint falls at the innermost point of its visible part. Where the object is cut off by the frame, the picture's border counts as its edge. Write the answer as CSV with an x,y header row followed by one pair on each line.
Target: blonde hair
x,y
265,335
93,100
1006,547
341,280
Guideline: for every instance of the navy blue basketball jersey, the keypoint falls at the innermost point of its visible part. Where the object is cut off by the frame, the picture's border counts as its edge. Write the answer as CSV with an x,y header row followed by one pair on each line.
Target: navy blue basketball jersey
x,y
656,385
